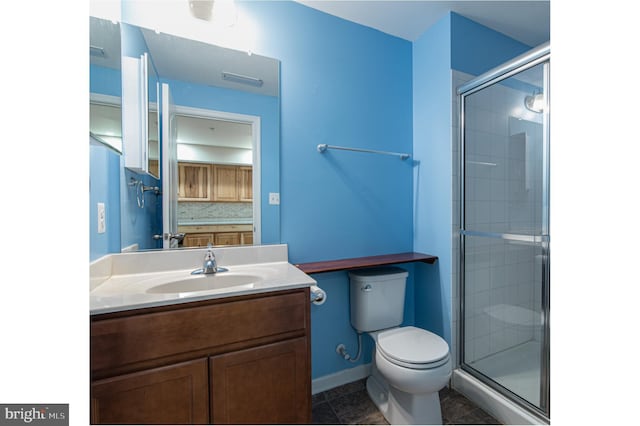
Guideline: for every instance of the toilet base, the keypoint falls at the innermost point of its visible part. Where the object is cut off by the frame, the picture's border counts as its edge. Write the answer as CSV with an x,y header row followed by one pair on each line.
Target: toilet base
x,y
401,408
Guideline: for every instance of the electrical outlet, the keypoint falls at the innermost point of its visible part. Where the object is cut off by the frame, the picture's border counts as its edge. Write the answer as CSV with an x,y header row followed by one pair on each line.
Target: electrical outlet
x,y
274,198
102,223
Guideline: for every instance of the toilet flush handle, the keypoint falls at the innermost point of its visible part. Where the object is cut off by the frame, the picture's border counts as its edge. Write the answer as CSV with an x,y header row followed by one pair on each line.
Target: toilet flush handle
x,y
366,288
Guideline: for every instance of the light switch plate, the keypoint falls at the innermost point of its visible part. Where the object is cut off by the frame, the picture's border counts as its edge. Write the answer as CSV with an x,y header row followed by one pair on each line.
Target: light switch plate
x,y
274,198
102,225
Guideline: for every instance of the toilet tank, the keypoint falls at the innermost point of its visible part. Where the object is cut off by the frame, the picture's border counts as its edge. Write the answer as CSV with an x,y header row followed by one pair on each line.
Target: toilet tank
x,y
377,297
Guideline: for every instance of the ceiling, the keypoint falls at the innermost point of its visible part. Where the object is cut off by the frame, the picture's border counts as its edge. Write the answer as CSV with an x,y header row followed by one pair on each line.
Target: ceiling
x,y
525,21
202,63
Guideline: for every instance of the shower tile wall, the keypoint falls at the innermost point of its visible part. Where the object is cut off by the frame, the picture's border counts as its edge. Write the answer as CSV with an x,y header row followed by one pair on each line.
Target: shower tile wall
x,y
503,196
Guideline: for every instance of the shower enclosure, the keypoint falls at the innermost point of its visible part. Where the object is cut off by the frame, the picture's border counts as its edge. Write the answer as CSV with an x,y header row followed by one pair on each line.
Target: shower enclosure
x,y
504,230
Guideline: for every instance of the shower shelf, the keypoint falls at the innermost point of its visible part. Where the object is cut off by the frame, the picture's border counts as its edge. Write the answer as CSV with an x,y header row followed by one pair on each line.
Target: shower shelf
x,y
364,262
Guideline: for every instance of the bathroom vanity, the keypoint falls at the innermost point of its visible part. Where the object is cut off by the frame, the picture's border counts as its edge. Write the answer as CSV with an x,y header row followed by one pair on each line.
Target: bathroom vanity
x,y
233,355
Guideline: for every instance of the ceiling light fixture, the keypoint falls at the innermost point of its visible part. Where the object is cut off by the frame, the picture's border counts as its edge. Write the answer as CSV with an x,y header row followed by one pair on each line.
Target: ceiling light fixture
x,y
243,79
201,9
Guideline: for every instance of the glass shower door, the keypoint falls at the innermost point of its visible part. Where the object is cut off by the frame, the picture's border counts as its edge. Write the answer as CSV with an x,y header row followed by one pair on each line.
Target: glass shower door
x,y
505,234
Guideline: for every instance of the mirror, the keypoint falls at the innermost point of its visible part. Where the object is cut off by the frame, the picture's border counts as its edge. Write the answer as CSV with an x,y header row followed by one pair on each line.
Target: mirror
x,y
219,89
105,119
153,125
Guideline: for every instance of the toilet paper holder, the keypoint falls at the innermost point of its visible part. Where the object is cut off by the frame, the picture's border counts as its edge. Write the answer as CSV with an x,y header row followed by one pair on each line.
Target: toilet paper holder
x,y
317,295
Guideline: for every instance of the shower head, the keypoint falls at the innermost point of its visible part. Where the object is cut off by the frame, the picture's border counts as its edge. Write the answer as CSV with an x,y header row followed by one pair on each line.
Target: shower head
x,y
534,103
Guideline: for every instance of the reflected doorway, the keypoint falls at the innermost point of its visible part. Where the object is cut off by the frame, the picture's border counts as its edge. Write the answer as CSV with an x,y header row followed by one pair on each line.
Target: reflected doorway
x,y
218,177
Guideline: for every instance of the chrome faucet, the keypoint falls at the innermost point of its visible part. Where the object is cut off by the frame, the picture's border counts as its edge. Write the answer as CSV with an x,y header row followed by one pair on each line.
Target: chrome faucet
x,y
209,266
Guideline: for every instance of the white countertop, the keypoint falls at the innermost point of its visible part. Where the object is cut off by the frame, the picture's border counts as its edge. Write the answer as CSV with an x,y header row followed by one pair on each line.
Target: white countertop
x,y
125,281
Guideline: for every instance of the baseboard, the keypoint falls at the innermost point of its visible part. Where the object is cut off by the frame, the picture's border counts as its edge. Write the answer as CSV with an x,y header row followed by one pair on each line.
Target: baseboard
x,y
340,378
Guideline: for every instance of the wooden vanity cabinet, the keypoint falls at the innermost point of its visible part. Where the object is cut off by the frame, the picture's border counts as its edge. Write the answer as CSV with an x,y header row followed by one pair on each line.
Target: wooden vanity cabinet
x,y
236,360
175,394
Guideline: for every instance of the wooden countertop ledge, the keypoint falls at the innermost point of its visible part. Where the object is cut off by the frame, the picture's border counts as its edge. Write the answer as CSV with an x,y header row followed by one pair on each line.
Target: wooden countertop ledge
x,y
364,262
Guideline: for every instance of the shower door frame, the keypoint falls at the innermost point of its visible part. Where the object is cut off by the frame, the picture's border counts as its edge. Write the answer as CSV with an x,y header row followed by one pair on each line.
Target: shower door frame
x,y
536,56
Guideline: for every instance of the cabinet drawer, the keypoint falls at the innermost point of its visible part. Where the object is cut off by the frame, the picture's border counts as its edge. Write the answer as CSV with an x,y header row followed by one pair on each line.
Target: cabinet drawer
x,y
198,240
194,331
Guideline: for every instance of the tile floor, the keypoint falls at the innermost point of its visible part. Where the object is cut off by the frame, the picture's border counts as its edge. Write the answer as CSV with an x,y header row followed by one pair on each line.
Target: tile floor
x,y
350,404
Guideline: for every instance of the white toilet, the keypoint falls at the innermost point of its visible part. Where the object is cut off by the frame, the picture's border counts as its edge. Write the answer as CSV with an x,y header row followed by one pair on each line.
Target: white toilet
x,y
410,365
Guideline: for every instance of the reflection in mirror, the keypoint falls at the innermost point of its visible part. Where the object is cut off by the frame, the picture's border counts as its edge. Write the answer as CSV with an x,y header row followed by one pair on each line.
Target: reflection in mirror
x,y
217,92
153,140
105,137
216,166
194,71
105,119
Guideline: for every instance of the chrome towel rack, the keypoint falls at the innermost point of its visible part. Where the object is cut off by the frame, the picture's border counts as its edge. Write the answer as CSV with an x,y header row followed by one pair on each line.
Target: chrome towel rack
x,y
141,188
323,147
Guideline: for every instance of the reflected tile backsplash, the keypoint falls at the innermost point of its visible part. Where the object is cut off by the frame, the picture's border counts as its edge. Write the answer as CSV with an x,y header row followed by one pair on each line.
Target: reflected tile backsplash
x,y
189,212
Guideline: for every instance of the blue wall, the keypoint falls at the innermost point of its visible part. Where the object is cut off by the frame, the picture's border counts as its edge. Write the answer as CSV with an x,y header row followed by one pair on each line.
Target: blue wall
x,y
476,49
432,148
453,43
104,187
342,84
104,180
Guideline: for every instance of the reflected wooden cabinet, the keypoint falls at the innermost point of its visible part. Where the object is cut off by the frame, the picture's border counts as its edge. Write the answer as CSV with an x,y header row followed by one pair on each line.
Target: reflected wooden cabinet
x,y
246,238
225,183
235,360
245,184
219,235
214,182
226,238
194,182
198,240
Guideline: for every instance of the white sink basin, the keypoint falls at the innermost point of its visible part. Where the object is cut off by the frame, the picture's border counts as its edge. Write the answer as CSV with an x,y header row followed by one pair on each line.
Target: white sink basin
x,y
205,283
127,281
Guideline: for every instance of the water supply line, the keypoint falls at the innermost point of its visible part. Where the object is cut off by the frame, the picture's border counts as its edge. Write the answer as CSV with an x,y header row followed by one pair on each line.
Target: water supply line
x,y
341,349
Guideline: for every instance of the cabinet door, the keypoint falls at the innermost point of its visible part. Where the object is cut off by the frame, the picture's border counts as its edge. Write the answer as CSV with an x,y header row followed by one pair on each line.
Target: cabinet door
x,y
176,394
225,183
245,183
193,182
226,238
246,238
197,240
268,384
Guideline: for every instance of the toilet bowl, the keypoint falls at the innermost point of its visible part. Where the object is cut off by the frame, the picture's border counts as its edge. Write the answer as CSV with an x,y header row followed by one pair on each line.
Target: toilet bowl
x,y
410,365
415,364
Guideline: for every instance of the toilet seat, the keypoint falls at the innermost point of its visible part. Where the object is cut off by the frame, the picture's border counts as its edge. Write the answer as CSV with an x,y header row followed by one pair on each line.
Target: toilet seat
x,y
412,347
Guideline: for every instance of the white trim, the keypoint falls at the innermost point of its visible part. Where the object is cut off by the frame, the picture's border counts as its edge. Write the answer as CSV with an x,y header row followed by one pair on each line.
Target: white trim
x,y
491,401
340,378
132,248
99,98
255,123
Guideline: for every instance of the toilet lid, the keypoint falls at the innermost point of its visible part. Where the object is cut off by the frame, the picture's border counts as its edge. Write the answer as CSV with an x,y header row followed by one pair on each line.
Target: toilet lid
x,y
412,345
